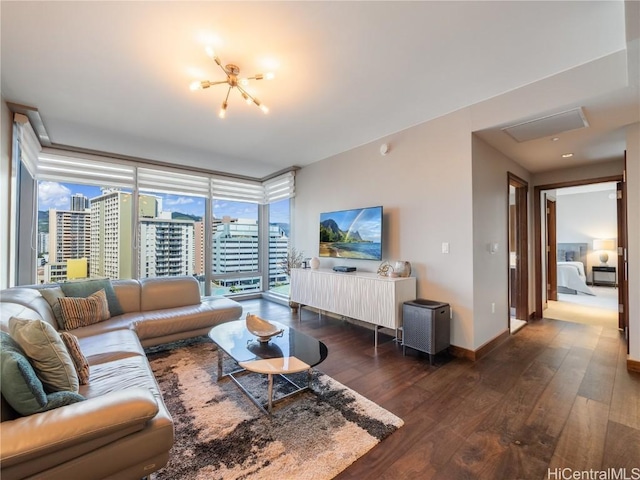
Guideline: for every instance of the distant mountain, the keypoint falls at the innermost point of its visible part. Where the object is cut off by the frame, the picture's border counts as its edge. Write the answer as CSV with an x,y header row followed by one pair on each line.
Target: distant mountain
x,y
330,232
185,216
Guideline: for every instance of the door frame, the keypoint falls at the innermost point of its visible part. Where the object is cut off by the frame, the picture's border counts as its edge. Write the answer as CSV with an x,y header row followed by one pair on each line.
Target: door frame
x,y
538,263
623,258
521,244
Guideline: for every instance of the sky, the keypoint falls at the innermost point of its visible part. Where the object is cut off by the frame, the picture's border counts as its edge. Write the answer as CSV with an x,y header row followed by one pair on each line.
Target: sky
x,y
57,195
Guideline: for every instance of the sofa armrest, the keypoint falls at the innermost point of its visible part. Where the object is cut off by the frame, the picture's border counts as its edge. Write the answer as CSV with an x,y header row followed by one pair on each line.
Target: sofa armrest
x,y
73,430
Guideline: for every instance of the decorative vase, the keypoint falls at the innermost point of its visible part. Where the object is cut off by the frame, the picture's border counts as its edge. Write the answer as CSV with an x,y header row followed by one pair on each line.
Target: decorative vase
x,y
402,268
314,263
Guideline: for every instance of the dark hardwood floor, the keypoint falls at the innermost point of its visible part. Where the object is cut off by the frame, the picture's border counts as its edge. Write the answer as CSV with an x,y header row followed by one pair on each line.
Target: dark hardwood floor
x,y
555,395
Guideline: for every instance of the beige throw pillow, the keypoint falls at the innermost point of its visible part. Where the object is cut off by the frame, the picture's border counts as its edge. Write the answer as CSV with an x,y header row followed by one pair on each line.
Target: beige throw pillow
x,y
51,295
79,312
47,353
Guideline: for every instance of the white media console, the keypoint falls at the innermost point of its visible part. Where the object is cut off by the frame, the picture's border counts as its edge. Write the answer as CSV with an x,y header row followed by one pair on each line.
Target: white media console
x,y
362,296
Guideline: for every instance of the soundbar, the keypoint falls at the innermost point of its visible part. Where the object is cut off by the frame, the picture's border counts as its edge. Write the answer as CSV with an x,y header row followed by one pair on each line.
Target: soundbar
x,y
343,268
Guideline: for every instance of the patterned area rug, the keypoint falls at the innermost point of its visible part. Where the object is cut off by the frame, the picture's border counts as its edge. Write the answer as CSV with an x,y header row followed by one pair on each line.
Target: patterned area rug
x,y
221,434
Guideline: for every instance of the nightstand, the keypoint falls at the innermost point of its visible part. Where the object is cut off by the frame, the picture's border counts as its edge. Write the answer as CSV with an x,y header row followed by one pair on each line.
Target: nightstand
x,y
604,276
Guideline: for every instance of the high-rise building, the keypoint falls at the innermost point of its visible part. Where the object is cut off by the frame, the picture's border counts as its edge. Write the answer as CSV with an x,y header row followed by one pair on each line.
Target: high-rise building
x,y
43,242
111,235
79,203
166,247
69,237
199,232
235,249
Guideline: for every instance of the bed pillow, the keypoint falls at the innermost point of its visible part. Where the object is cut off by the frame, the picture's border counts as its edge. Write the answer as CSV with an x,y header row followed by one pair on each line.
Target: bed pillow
x,y
79,360
47,353
85,288
21,388
51,295
79,312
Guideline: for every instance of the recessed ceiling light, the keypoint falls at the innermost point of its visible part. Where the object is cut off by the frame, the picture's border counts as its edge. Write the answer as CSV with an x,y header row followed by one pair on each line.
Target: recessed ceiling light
x,y
555,139
567,155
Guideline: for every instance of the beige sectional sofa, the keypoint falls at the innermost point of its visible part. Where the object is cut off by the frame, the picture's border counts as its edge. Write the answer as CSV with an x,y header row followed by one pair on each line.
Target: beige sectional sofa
x,y
123,429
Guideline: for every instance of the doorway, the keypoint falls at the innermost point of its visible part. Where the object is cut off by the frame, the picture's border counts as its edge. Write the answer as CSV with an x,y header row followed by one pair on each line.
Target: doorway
x,y
580,245
518,274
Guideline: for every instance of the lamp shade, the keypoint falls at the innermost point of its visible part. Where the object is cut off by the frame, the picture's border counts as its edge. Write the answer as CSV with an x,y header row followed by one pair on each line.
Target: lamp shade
x,y
603,244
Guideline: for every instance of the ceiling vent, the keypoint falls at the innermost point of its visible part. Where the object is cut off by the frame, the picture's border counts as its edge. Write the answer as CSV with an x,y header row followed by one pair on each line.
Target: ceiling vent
x,y
548,126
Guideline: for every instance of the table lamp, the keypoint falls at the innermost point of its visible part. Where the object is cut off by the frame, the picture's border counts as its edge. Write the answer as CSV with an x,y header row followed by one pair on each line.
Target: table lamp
x,y
602,245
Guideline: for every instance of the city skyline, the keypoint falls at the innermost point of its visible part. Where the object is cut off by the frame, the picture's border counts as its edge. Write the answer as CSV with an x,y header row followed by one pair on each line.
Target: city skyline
x,y
57,195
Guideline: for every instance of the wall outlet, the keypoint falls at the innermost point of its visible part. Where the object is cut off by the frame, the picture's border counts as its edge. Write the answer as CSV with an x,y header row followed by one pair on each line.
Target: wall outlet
x,y
445,247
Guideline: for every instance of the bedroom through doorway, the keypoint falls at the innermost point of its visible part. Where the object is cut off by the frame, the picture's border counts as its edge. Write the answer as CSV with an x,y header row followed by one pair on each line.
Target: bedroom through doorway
x,y
582,287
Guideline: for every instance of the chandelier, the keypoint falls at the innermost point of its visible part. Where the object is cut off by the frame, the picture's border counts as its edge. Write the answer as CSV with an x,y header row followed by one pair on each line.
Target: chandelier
x,y
232,71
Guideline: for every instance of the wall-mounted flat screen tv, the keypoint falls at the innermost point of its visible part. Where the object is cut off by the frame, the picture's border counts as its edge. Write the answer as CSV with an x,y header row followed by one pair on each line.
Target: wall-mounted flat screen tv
x,y
355,233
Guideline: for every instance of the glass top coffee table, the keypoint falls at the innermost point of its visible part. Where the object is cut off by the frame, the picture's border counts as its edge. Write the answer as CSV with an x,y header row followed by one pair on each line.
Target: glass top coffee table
x,y
290,352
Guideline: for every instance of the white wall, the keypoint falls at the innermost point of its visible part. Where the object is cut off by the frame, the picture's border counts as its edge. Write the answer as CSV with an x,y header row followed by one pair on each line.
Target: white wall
x,y
583,217
5,190
490,225
424,184
633,225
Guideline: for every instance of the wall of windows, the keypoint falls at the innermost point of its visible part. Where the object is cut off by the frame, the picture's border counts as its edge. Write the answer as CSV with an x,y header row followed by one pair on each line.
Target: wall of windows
x,y
156,222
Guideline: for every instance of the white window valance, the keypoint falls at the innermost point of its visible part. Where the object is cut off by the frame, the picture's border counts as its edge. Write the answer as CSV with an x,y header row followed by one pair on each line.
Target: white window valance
x,y
84,169
173,182
29,144
279,188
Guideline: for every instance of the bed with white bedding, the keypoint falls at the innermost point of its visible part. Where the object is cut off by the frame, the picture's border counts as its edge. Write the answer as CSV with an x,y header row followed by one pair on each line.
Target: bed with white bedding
x,y
572,279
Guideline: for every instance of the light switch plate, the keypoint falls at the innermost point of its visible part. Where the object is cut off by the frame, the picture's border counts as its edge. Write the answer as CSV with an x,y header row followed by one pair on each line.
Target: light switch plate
x,y
445,247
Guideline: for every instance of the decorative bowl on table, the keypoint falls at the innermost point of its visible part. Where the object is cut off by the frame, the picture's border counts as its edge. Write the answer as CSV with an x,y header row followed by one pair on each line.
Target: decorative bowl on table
x,y
261,328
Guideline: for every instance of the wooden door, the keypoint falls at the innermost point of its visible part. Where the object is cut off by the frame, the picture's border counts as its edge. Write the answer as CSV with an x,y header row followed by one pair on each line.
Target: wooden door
x,y
552,256
522,253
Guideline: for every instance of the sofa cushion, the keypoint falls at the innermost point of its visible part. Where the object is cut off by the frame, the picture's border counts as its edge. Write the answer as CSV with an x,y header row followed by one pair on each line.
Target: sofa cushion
x,y
31,298
42,344
85,288
51,295
128,293
159,293
21,387
170,321
79,360
110,345
80,312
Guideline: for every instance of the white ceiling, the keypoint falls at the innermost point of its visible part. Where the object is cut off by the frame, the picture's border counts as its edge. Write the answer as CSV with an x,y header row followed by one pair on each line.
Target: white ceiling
x,y
114,76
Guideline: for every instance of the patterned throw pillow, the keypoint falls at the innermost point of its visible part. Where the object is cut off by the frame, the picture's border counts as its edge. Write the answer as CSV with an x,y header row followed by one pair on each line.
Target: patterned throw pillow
x,y
80,312
84,288
79,360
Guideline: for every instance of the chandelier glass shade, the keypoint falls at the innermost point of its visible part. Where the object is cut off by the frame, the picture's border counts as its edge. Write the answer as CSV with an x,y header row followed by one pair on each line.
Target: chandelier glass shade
x,y
233,81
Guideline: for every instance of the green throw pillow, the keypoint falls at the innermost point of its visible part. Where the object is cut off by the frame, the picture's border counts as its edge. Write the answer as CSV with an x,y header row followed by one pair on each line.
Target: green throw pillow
x,y
47,353
21,387
51,295
85,288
